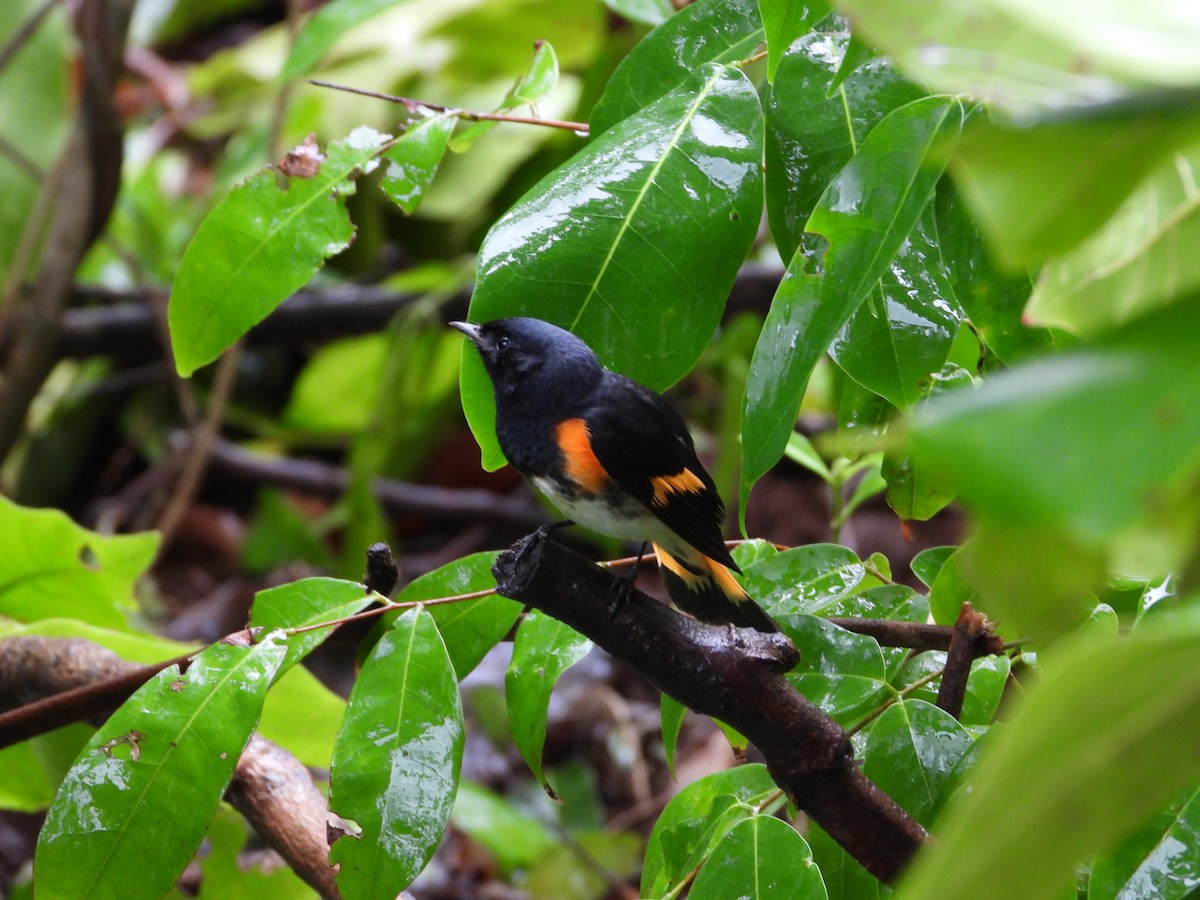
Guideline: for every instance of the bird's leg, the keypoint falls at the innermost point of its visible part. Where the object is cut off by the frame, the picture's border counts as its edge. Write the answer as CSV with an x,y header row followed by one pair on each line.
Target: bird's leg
x,y
623,585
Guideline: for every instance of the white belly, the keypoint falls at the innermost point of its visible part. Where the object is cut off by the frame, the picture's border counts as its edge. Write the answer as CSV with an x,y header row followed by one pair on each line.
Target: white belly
x,y
631,521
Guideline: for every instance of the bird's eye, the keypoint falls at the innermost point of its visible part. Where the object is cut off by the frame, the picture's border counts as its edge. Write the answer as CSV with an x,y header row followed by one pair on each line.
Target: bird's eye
x,y
502,344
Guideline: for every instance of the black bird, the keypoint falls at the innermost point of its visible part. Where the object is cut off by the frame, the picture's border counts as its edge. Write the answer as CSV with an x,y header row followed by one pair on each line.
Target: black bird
x,y
614,456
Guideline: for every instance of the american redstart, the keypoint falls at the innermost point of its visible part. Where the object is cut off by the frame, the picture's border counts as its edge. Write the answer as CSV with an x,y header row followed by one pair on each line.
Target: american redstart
x,y
614,456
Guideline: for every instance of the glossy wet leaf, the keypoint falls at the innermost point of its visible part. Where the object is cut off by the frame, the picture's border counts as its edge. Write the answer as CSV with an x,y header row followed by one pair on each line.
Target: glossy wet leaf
x,y
665,204
543,649
322,29
396,761
1038,191
784,21
258,246
308,601
912,751
413,161
470,628
1020,56
840,671
1161,859
804,579
860,222
1139,260
50,567
514,838
671,713
761,858
897,339
133,809
993,441
707,31
1105,738
696,819
992,299
813,129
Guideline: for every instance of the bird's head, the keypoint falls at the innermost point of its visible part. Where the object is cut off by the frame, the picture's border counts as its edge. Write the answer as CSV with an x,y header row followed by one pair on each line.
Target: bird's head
x,y
524,356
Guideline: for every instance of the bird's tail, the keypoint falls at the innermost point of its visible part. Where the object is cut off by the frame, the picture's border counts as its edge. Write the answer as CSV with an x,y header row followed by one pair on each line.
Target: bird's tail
x,y
706,590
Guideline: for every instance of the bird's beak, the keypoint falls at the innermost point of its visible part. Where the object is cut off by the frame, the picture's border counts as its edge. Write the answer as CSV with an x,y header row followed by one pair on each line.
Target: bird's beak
x,y
471,331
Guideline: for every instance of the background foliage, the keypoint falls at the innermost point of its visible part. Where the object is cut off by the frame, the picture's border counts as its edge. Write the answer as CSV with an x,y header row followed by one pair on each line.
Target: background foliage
x,y
983,222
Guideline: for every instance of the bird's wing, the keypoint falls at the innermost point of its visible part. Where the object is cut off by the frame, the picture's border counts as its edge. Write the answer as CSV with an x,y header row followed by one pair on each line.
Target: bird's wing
x,y
644,445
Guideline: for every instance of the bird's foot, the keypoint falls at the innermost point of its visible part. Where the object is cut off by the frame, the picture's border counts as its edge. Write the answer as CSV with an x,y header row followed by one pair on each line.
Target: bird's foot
x,y
622,588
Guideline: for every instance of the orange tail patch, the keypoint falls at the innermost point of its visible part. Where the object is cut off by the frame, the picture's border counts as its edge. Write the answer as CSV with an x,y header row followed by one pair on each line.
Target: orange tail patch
x,y
707,590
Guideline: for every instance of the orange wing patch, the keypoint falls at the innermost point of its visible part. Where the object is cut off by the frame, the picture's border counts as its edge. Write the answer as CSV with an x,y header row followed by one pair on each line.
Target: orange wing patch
x,y
579,462
682,482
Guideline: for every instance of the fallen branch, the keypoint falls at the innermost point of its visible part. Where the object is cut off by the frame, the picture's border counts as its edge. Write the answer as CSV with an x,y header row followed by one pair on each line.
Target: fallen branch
x,y
736,675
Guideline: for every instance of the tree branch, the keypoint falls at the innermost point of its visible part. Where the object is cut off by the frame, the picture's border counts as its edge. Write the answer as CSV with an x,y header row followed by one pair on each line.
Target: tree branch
x,y
920,635
733,674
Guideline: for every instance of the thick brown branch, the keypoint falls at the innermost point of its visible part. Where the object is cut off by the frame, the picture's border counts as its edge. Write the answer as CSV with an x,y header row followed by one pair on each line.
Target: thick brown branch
x,y
323,479
918,635
736,675
969,631
270,787
122,324
90,170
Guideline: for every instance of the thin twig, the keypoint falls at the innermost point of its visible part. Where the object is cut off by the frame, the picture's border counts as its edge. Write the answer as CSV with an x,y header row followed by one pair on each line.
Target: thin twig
x,y
200,446
25,32
415,107
753,58
892,701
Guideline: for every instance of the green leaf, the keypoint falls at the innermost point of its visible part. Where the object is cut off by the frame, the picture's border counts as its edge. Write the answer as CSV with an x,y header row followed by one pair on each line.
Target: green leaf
x,y
336,391
800,450
993,300
671,713
952,587
544,648
761,858
784,21
1104,739
35,102
915,491
1038,190
26,787
1100,479
50,567
514,838
322,29
813,129
1138,261
840,671
648,12
134,807
896,340
308,601
928,563
696,819
1161,859
860,222
707,31
396,761
845,878
257,247
804,579
679,183
470,628
912,753
1020,56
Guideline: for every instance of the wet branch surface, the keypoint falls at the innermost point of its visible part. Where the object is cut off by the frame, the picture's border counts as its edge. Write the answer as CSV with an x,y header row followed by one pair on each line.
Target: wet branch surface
x,y
736,675
270,787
